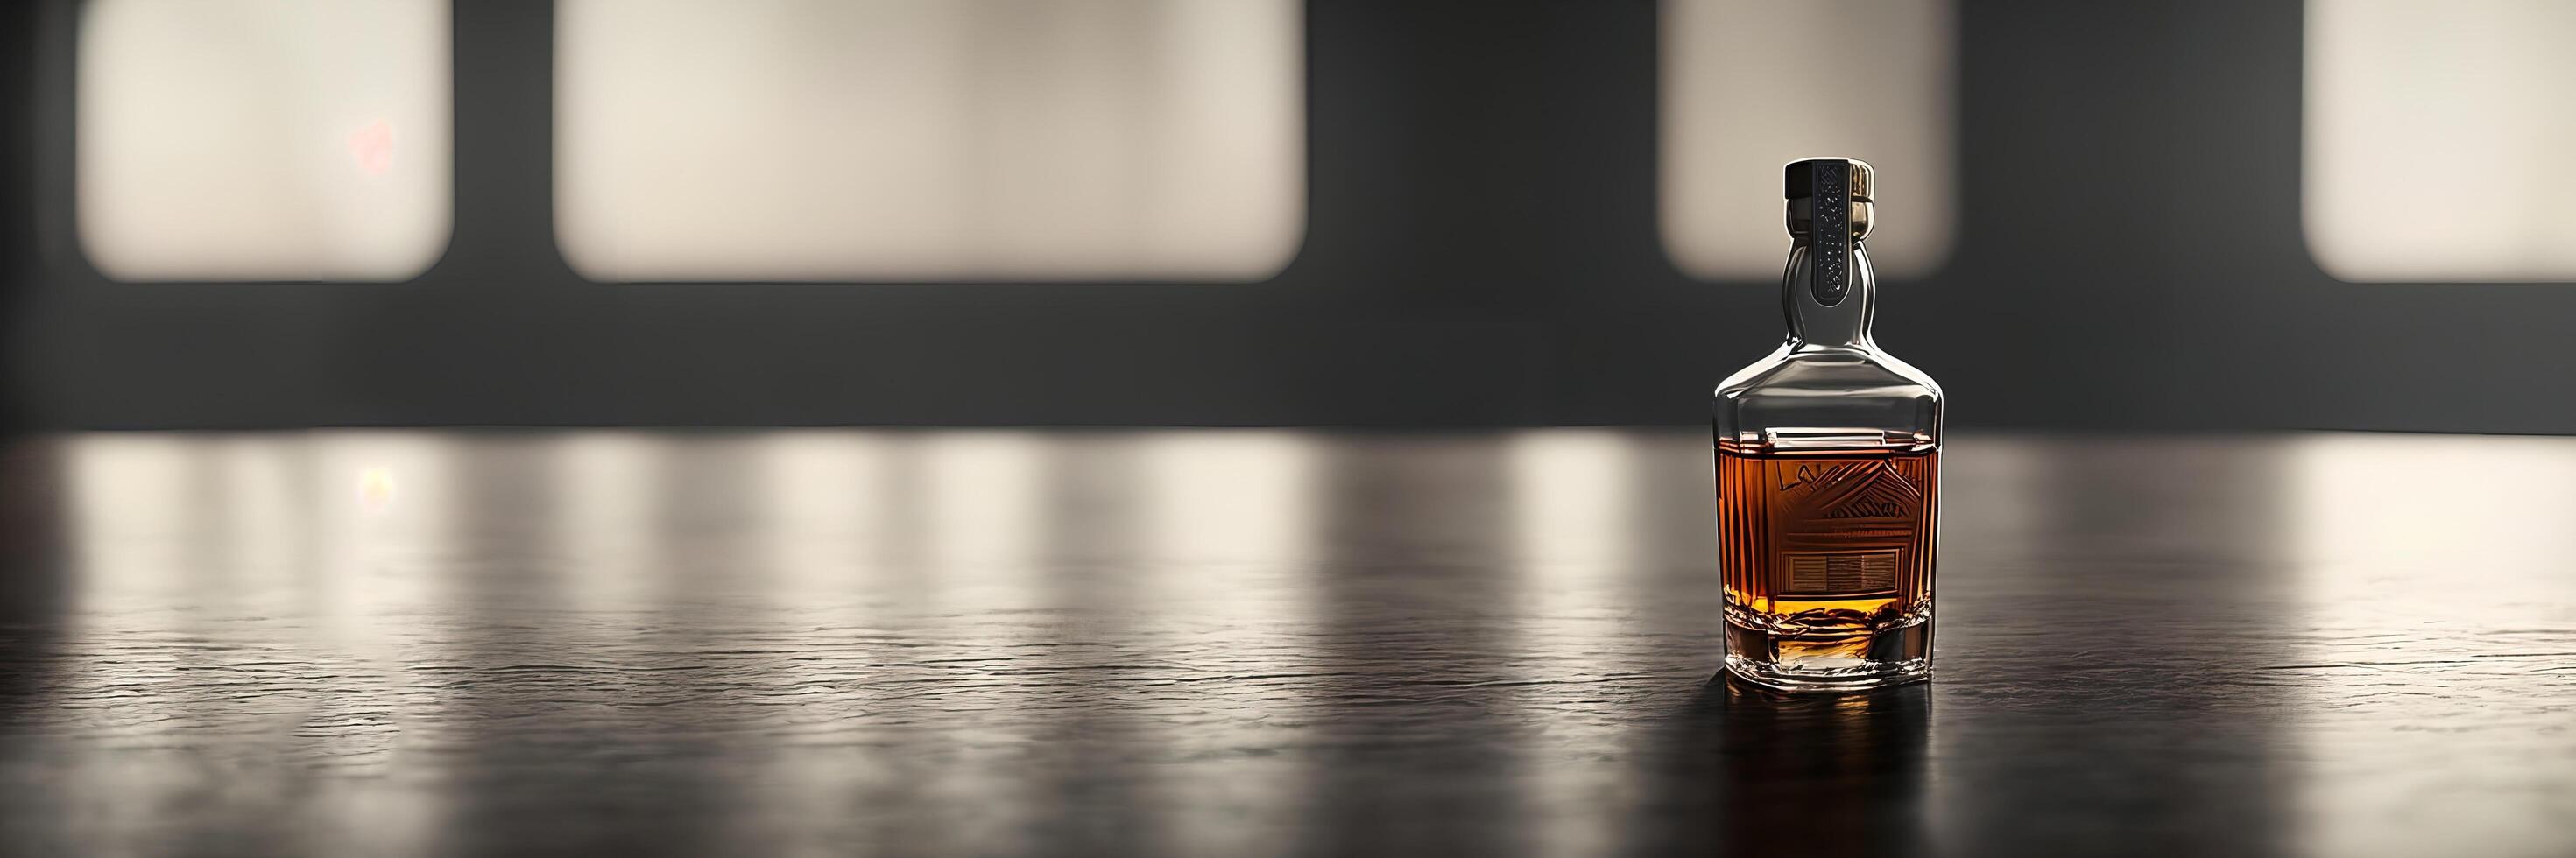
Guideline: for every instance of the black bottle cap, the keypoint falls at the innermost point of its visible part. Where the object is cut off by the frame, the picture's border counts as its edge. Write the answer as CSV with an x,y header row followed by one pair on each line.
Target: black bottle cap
x,y
1834,196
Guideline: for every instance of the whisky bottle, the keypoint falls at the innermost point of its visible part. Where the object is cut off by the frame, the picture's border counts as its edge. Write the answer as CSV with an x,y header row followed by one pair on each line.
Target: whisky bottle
x,y
1828,470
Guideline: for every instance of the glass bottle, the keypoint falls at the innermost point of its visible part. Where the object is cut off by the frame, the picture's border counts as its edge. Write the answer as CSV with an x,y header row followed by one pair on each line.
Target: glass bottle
x,y
1828,470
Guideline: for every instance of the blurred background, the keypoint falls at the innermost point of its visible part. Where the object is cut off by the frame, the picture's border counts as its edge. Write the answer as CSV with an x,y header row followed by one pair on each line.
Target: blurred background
x,y
2129,238
2192,215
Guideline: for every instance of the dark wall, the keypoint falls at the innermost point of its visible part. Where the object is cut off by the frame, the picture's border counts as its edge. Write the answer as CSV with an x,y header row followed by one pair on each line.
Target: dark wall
x,y
1481,250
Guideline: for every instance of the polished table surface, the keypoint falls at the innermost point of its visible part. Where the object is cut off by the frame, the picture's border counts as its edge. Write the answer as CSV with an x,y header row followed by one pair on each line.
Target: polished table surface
x,y
1249,643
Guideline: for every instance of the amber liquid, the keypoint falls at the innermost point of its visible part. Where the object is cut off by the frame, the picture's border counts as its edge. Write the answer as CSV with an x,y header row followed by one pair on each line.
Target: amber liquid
x,y
1825,543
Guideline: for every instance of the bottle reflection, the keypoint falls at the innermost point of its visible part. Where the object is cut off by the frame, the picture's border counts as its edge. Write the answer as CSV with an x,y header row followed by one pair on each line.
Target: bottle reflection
x,y
1775,773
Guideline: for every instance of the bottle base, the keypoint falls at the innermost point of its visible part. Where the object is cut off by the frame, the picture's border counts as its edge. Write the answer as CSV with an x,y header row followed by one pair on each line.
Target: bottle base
x,y
1840,661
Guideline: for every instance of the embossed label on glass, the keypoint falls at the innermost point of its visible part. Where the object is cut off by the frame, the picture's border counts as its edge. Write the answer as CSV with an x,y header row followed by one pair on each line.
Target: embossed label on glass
x,y
1826,525
1848,519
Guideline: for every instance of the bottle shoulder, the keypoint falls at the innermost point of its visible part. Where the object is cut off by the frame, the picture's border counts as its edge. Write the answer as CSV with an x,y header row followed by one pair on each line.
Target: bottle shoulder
x,y
1828,393
1830,371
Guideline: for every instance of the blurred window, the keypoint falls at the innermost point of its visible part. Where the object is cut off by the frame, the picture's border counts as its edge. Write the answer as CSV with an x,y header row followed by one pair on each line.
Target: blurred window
x,y
275,140
2435,135
1742,95
929,139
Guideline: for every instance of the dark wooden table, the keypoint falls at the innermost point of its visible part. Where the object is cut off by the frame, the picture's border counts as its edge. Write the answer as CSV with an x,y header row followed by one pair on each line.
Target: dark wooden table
x,y
1239,643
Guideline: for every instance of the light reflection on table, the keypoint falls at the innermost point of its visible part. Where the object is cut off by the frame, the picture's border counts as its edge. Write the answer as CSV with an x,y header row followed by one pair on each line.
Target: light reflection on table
x,y
1253,642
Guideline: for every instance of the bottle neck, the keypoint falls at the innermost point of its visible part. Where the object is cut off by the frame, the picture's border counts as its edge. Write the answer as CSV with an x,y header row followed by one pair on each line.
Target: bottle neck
x,y
1841,324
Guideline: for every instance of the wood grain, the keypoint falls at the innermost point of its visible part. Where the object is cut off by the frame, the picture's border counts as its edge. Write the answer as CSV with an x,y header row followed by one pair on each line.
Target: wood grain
x,y
1255,643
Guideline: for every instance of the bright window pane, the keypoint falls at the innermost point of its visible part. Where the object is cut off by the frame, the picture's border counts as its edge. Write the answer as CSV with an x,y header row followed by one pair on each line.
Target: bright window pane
x,y
1743,95
277,139
929,139
2436,139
